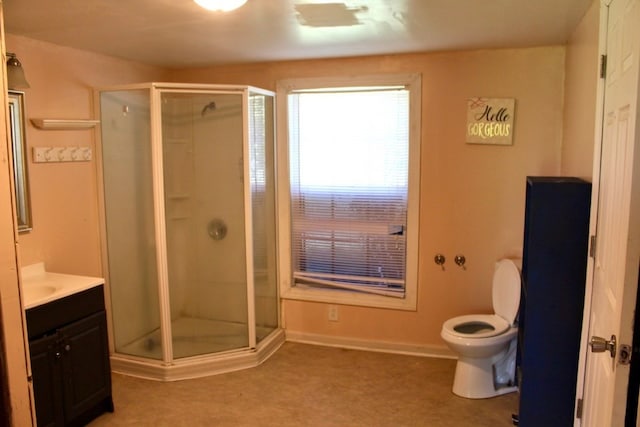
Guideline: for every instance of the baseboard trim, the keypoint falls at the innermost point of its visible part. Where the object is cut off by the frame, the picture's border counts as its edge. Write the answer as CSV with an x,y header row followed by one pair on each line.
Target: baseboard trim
x,y
442,352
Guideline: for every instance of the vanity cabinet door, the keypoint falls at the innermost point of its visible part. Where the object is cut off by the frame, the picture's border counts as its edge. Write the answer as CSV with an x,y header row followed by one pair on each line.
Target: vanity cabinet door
x,y
86,371
70,359
45,369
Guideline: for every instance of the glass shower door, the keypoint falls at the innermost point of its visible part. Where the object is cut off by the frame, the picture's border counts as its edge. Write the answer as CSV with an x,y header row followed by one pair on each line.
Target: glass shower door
x,y
129,218
202,143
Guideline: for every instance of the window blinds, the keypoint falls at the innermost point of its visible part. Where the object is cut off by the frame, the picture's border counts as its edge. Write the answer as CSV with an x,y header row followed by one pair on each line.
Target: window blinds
x,y
349,177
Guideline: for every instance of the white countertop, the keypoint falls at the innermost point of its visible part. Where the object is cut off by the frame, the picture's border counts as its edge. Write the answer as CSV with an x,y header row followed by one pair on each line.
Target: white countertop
x,y
40,286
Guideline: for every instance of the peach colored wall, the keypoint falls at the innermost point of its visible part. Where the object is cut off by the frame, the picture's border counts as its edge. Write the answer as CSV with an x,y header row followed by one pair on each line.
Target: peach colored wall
x,y
64,203
581,71
472,197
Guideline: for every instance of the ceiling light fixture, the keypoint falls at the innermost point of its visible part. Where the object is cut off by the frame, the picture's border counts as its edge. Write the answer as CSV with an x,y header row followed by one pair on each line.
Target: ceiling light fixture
x,y
220,5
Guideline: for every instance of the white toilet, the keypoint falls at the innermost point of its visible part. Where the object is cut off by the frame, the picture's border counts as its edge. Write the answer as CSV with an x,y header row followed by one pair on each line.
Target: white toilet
x,y
486,343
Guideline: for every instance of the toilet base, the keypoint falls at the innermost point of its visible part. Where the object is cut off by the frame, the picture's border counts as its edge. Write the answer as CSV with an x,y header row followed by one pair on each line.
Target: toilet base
x,y
474,379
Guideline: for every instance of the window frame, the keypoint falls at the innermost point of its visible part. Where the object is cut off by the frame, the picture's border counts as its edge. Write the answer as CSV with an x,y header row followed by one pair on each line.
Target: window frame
x,y
288,289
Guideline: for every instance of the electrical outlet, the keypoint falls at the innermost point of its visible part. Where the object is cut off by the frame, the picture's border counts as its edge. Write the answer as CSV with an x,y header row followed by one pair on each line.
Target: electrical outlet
x,y
333,313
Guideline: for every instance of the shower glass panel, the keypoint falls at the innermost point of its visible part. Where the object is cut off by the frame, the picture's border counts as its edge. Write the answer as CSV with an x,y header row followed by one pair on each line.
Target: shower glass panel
x,y
263,189
202,140
129,217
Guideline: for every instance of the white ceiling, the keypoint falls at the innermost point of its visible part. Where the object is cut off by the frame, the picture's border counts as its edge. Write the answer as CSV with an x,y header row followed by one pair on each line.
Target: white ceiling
x,y
178,33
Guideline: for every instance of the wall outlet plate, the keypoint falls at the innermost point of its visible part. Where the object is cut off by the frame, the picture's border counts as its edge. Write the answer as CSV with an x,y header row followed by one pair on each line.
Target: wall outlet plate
x,y
333,313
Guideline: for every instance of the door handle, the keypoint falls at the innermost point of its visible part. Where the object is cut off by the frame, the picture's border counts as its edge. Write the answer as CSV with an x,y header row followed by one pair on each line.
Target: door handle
x,y
600,345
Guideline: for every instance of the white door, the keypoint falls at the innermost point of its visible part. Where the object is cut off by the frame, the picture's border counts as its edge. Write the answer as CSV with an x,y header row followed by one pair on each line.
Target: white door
x,y
615,276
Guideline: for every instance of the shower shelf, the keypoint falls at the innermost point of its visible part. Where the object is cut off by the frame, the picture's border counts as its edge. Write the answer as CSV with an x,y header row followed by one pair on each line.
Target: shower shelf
x,y
47,124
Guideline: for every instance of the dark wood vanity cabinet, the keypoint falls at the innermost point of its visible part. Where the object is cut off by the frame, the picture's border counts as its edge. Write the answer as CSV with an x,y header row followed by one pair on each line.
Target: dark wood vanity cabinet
x,y
554,268
70,366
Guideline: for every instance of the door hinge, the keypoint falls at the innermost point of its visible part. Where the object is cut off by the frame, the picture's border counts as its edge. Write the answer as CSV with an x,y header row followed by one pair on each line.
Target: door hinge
x,y
579,409
592,246
603,66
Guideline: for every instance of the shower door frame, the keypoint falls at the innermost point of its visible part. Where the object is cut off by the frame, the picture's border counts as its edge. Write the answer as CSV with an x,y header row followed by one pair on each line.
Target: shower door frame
x,y
157,166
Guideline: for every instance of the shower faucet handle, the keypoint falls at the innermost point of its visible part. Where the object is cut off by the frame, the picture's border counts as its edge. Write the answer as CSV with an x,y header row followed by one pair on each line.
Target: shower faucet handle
x,y
217,229
440,260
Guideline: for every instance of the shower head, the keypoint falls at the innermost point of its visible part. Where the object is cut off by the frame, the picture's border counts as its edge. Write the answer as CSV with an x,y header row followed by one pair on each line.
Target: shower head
x,y
210,106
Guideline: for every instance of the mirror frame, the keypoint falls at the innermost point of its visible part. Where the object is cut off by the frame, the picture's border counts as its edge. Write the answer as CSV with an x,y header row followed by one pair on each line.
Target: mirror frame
x,y
19,150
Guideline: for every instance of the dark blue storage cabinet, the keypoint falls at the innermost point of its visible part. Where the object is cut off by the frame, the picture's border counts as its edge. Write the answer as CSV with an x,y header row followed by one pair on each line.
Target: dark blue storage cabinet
x,y
556,235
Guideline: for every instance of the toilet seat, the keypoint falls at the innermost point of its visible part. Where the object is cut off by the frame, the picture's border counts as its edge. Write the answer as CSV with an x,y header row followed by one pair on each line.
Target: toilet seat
x,y
475,326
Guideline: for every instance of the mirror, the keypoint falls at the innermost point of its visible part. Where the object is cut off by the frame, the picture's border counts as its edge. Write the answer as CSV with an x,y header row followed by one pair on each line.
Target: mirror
x,y
19,146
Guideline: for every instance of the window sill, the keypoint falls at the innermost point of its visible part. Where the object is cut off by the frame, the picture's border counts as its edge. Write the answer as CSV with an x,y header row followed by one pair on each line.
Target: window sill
x,y
346,297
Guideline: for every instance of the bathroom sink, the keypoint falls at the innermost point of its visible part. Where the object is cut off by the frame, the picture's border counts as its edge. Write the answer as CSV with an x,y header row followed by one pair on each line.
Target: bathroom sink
x,y
38,291
40,286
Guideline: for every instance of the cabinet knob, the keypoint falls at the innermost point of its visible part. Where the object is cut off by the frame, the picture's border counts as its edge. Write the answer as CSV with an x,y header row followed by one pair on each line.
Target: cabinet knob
x,y
67,347
58,355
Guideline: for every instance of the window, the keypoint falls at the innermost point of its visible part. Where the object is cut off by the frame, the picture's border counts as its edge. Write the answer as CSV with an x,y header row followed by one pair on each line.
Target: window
x,y
349,195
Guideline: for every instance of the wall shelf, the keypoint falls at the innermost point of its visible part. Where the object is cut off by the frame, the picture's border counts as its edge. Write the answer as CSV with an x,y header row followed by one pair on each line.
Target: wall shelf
x,y
64,123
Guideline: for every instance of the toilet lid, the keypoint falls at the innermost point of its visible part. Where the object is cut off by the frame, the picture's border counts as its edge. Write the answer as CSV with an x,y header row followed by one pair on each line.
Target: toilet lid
x,y
506,290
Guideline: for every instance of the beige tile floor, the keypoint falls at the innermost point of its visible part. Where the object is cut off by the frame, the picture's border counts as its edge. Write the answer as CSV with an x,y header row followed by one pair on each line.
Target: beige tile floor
x,y
305,385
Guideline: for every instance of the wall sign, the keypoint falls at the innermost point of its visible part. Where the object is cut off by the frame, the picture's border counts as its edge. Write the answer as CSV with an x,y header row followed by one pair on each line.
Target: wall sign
x,y
490,120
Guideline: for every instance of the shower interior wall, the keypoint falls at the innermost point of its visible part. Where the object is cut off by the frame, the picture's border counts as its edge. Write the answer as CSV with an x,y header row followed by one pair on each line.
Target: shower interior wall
x,y
203,156
203,178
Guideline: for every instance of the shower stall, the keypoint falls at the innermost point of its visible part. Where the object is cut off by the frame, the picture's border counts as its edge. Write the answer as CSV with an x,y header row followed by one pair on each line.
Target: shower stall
x,y
187,176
